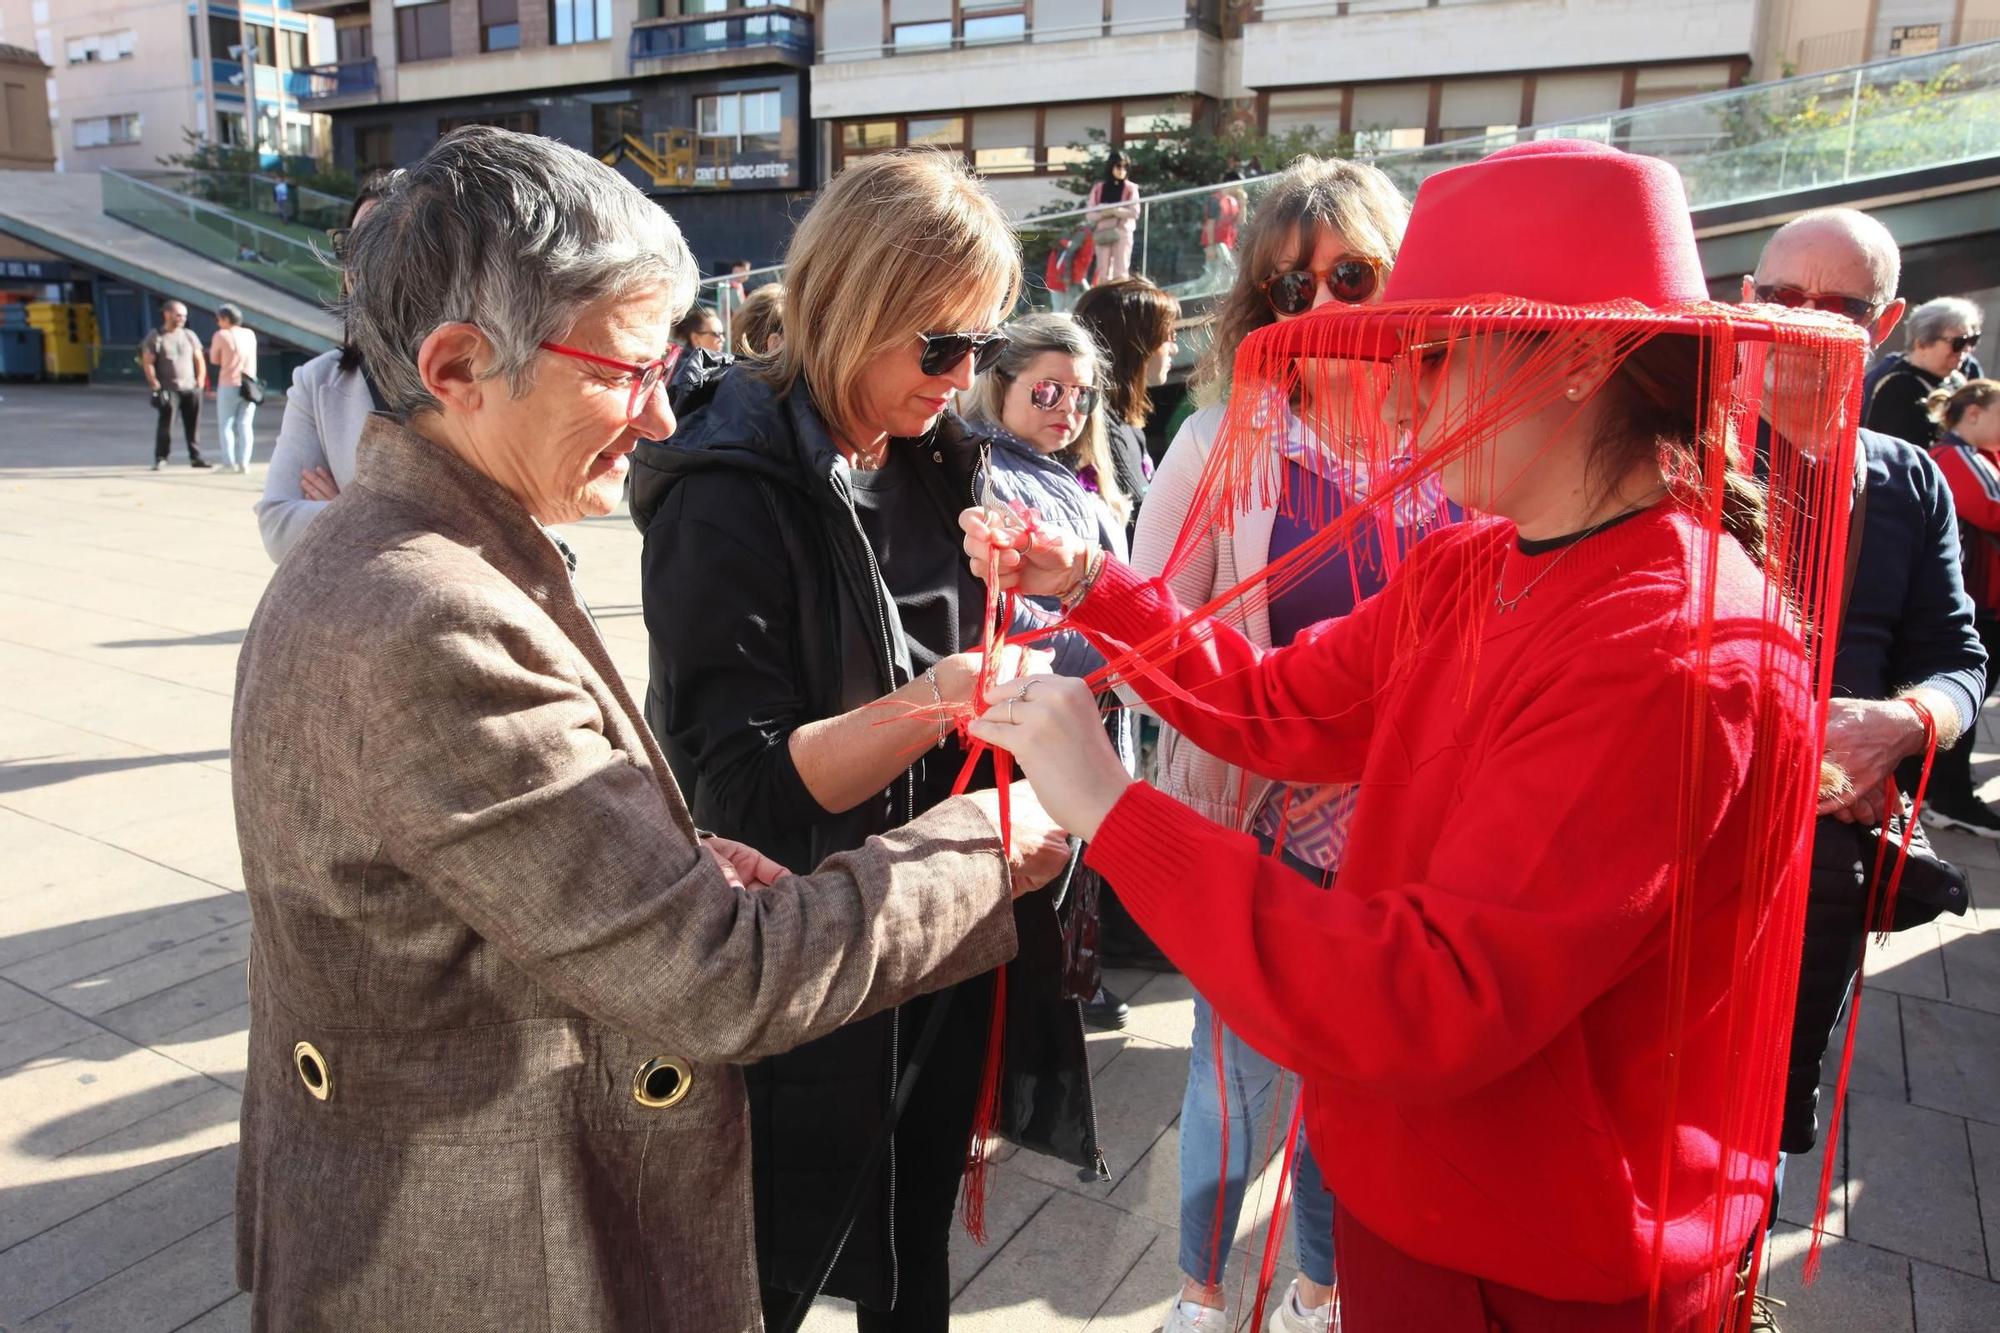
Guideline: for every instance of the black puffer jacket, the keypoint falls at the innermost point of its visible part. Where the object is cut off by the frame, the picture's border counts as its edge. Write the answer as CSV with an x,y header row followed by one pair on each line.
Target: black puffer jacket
x,y
766,611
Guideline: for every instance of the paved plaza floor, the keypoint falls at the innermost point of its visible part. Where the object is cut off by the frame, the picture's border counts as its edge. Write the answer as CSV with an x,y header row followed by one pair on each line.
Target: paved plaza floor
x,y
124,596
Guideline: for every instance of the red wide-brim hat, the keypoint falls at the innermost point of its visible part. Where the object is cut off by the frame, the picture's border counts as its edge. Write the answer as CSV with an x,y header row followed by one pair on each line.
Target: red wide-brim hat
x,y
1559,234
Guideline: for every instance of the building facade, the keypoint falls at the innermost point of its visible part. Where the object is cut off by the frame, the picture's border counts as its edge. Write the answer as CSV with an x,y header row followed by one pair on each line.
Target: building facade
x,y
131,79
25,141
706,110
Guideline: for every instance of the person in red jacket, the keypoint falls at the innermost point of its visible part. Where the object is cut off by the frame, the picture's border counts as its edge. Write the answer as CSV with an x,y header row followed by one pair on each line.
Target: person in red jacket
x,y
1969,456
1542,1012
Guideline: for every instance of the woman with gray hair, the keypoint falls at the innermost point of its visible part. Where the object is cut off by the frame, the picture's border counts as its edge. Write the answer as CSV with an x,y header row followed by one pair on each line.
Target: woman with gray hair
x,y
1895,396
498,987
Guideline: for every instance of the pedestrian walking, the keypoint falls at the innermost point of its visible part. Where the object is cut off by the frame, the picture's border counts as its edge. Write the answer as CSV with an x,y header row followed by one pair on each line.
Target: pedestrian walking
x,y
238,390
177,373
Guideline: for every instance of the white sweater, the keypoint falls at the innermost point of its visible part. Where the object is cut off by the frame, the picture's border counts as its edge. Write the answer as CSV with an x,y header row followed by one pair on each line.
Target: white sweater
x,y
324,412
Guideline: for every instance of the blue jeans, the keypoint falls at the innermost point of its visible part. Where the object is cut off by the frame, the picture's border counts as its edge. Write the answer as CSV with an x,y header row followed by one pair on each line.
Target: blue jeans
x,y
234,421
1250,1078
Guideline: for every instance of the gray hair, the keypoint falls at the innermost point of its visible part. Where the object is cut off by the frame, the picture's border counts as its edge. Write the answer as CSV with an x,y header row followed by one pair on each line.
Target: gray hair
x,y
512,233
229,312
1941,318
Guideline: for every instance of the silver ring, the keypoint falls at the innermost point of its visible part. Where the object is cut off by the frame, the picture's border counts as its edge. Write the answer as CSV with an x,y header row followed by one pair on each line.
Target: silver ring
x,y
1022,693
1010,709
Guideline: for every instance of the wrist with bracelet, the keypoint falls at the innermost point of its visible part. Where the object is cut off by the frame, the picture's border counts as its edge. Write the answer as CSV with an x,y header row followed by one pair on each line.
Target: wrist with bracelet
x,y
1093,566
937,697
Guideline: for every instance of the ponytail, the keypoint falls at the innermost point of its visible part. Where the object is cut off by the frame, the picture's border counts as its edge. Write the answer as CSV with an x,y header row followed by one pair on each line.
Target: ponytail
x,y
1947,406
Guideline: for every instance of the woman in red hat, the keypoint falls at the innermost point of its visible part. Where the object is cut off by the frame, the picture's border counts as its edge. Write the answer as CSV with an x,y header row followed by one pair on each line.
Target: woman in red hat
x,y
1541,1015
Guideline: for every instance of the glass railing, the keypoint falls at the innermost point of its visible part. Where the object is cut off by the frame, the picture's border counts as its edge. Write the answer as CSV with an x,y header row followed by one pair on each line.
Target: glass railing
x,y
346,78
726,30
306,216
289,262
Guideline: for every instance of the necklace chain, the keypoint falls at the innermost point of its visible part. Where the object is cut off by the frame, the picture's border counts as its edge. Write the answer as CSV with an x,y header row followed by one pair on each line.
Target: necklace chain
x,y
1503,604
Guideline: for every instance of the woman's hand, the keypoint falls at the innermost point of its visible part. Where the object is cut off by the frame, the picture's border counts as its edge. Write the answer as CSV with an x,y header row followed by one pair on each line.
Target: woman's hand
x,y
1039,848
318,484
1052,725
744,867
957,674
1039,561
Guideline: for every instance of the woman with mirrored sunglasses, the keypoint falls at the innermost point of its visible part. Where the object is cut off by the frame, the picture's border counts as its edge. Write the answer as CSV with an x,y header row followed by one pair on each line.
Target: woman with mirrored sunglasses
x,y
809,609
1327,231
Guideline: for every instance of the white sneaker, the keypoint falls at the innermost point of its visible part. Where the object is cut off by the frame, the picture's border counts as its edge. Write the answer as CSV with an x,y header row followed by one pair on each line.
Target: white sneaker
x,y
1288,1316
1189,1317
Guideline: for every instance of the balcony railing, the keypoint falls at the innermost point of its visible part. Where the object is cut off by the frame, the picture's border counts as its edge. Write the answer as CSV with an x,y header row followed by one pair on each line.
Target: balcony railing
x,y
346,78
729,30
1832,50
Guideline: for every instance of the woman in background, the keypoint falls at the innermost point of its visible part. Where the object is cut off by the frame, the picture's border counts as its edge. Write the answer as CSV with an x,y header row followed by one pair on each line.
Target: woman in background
x,y
1326,232
760,324
1133,321
1968,453
1114,218
233,352
329,402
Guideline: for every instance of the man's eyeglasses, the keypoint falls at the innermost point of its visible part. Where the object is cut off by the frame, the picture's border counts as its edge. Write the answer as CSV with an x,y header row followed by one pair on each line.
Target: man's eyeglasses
x,y
1862,312
646,375
1050,395
944,351
1351,280
1965,342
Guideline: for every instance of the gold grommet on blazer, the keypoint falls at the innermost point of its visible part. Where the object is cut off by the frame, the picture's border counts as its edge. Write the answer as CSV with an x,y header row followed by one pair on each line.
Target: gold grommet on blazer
x,y
661,1082
313,1069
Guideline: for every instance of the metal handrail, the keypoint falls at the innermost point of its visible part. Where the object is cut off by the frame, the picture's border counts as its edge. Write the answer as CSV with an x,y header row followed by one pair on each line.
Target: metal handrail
x,y
843,55
203,206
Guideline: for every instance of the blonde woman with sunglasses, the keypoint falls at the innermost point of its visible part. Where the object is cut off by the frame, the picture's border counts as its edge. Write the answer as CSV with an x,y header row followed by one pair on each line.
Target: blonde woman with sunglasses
x,y
809,610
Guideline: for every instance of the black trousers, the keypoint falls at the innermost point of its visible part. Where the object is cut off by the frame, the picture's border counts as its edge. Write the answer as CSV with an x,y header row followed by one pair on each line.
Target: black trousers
x,y
929,1153
1951,775
189,402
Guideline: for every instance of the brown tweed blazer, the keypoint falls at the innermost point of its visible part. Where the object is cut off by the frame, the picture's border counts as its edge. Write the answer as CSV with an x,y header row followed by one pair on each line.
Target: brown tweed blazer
x,y
497,992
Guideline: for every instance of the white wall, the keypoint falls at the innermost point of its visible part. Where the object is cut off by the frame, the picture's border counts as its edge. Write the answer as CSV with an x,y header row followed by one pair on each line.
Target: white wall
x,y
1476,36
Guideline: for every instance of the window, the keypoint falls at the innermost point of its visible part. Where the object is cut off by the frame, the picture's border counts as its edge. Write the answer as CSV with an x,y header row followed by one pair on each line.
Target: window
x,y
356,41
1380,139
521,122
225,38
298,138
610,122
1149,120
296,53
499,25
859,137
922,36
423,32
1003,142
374,148
1067,132
101,47
263,42
572,21
230,129
981,28
751,122
104,131
936,131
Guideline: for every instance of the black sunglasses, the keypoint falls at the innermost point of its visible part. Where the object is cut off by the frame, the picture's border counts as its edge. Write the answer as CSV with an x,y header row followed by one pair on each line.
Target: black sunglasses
x,y
1965,342
943,351
1351,281
1792,298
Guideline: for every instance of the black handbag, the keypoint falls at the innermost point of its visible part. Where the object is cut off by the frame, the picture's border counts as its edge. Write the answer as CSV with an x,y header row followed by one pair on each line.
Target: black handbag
x,y
252,389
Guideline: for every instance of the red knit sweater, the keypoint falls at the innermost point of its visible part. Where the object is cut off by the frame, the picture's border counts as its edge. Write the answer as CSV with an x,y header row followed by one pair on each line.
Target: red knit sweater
x,y
1479,1005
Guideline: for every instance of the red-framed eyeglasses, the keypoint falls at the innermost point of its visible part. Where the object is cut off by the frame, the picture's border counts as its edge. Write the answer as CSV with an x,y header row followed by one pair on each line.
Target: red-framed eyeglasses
x,y
646,375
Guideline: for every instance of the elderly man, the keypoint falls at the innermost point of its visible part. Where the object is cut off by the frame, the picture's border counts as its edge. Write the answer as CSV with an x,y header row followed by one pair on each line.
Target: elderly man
x,y
1942,335
177,373
1907,636
498,988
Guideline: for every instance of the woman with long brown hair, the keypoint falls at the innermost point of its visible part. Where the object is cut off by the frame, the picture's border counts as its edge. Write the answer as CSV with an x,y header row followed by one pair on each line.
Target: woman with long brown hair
x,y
1133,321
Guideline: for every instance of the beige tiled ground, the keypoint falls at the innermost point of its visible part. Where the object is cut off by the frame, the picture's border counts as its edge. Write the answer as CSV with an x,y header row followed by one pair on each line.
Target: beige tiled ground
x,y
123,597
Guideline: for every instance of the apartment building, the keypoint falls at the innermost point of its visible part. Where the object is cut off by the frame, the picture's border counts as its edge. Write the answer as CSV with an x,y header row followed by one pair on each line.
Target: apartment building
x,y
130,78
702,105
1017,84
25,141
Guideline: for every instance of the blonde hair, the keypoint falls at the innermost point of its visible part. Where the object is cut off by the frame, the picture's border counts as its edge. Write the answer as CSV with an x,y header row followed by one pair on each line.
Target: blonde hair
x,y
1353,198
1032,336
898,244
761,315
1947,406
